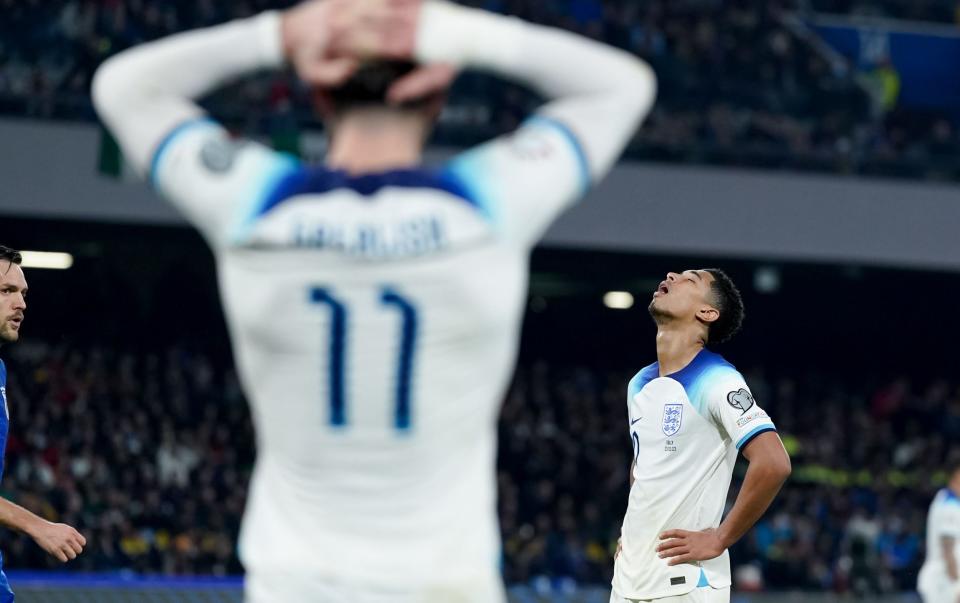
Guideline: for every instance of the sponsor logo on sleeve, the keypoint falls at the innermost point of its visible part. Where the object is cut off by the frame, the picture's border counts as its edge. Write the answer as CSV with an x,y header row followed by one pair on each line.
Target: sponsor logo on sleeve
x,y
741,399
747,419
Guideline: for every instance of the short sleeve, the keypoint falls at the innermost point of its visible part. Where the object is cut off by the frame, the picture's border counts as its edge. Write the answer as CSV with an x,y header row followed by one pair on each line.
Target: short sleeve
x,y
218,183
734,409
950,518
523,181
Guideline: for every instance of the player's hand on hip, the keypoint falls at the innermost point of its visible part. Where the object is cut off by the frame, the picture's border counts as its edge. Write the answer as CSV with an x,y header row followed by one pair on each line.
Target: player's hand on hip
x,y
59,540
681,546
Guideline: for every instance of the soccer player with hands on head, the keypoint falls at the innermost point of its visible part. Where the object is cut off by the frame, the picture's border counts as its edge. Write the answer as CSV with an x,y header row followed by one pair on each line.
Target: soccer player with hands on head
x,y
57,539
374,304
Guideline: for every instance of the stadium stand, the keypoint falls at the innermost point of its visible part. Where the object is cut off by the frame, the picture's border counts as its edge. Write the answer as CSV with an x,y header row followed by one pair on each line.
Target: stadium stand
x,y
148,453
781,101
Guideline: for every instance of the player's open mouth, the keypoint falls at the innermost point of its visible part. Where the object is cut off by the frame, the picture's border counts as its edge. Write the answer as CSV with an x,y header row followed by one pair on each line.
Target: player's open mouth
x,y
662,289
16,322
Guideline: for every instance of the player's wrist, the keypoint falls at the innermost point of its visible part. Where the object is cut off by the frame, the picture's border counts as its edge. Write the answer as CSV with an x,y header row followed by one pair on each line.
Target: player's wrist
x,y
462,36
725,539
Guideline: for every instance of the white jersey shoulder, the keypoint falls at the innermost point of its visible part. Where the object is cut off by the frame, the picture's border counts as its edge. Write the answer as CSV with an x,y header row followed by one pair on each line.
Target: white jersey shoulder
x,y
686,429
241,194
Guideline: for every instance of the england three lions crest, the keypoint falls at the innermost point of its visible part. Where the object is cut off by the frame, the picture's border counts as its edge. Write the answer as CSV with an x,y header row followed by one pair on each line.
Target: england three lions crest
x,y
672,419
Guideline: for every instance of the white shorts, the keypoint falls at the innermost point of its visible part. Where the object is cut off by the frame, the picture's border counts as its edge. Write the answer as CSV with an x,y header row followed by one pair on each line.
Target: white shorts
x,y
704,594
260,588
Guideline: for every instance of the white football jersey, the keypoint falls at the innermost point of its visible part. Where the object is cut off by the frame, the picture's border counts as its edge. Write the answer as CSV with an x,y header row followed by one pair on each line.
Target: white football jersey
x,y
943,520
375,321
686,429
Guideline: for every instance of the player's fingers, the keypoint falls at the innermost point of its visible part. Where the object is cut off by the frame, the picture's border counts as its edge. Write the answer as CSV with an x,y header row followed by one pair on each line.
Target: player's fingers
x,y
75,546
80,538
671,544
422,82
674,552
673,534
61,556
69,552
327,73
688,558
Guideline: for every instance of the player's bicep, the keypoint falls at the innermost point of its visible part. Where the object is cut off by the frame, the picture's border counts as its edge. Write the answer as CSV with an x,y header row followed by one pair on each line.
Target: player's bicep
x,y
523,181
733,407
215,181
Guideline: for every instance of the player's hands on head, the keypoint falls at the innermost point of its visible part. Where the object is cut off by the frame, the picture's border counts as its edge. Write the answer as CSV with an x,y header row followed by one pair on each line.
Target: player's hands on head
x,y
327,39
59,540
681,546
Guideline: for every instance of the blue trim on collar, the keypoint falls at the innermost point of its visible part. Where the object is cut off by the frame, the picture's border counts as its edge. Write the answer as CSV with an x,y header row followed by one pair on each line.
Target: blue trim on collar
x,y
318,180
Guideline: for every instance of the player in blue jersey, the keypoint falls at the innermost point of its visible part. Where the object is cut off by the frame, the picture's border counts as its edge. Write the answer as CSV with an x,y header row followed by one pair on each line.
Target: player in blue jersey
x,y
374,303
57,539
690,413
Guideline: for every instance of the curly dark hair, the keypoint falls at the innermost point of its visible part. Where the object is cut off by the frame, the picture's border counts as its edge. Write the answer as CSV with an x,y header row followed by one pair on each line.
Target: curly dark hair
x,y
728,301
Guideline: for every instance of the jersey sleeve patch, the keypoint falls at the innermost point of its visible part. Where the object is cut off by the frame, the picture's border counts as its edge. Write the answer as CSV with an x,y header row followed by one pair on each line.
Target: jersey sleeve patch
x,y
578,149
167,143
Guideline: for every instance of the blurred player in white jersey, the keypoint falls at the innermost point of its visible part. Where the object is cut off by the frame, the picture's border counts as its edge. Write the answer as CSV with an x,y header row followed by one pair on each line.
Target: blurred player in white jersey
x,y
940,575
690,413
374,305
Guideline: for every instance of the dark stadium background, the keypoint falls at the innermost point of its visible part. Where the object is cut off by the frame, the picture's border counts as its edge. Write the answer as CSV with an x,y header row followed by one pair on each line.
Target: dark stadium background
x,y
127,420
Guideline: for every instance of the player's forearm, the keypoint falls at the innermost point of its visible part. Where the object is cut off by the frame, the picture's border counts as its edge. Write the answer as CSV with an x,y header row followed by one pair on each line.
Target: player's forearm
x,y
947,548
15,517
144,93
763,481
601,93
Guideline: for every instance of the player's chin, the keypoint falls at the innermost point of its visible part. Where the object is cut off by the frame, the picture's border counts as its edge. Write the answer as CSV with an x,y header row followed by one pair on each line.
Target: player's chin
x,y
8,335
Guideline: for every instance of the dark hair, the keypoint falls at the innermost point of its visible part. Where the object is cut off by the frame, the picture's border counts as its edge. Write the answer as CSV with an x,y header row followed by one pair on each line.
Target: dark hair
x,y
11,255
370,84
727,299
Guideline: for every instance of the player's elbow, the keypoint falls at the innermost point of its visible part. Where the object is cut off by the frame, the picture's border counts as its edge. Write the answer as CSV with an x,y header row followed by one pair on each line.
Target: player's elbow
x,y
639,87
781,467
107,88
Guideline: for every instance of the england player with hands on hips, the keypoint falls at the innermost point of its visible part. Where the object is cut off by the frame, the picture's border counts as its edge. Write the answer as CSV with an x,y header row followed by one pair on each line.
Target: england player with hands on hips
x,y
57,539
690,414
374,304
939,580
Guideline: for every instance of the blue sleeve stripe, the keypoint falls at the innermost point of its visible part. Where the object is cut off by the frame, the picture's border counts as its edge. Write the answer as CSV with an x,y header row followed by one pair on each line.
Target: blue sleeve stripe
x,y
585,178
164,145
756,431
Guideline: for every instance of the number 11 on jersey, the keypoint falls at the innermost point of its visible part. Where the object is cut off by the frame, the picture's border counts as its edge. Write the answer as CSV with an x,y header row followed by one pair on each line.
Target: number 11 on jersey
x,y
390,300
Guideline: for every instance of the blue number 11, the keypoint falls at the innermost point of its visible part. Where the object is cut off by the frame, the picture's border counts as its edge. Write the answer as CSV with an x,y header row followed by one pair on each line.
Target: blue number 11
x,y
339,316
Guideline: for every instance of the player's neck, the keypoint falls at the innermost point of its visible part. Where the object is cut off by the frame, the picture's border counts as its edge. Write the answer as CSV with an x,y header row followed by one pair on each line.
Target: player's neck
x,y
677,346
368,142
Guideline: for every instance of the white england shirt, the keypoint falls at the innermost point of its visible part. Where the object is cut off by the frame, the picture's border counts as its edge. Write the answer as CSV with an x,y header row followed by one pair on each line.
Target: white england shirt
x,y
687,429
375,322
943,520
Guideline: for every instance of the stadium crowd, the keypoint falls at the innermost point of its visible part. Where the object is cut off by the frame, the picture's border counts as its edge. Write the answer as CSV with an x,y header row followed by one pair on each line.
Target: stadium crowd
x,y
149,453
779,102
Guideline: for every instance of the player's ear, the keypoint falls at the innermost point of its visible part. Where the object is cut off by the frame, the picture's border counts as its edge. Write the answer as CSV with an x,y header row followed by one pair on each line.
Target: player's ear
x,y
708,314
